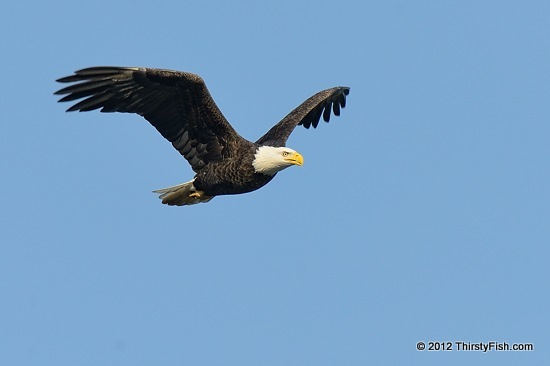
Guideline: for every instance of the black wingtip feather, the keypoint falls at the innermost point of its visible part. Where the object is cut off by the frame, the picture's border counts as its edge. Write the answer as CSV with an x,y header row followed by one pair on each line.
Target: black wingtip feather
x,y
336,108
91,103
326,113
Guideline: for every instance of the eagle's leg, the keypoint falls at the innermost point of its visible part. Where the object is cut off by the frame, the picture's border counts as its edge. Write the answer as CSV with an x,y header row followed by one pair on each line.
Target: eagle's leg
x,y
197,194
182,194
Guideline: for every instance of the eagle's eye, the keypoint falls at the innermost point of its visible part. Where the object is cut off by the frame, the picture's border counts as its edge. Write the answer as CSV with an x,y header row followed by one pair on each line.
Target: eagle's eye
x,y
285,153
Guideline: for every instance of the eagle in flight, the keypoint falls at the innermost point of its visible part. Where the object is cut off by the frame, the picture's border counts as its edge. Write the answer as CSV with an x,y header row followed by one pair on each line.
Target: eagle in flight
x,y
180,107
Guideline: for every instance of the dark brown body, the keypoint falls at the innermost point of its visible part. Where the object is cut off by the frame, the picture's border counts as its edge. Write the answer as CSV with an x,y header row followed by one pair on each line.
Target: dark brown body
x,y
232,177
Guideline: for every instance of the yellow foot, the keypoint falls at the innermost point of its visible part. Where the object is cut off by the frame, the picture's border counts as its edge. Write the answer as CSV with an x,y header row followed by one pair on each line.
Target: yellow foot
x,y
197,194
196,197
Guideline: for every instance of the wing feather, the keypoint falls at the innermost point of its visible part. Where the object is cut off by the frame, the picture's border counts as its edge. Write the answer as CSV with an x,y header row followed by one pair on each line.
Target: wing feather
x,y
177,104
307,114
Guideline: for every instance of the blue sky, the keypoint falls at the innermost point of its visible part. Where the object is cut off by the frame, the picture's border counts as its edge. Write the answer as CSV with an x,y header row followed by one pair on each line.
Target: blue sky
x,y
421,214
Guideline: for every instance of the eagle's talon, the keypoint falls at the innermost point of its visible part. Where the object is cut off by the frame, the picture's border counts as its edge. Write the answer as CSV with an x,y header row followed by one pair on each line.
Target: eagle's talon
x,y
196,194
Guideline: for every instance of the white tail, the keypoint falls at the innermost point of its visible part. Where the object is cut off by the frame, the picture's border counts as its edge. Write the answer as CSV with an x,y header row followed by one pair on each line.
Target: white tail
x,y
182,195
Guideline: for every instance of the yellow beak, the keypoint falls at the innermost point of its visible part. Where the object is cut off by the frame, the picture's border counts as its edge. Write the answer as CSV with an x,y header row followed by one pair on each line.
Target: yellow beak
x,y
295,159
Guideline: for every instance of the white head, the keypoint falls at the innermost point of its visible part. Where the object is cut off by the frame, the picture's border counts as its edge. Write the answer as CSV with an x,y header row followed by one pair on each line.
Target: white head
x,y
269,160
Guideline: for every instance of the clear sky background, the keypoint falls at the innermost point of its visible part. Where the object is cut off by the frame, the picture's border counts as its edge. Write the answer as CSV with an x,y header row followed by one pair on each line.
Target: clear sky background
x,y
421,214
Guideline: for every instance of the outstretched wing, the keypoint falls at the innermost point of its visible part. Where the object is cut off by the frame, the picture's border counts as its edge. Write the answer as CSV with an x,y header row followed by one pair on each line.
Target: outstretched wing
x,y
177,104
307,114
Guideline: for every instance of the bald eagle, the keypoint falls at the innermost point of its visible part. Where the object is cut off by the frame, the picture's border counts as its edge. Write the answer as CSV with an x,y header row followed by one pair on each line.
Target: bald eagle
x,y
180,107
